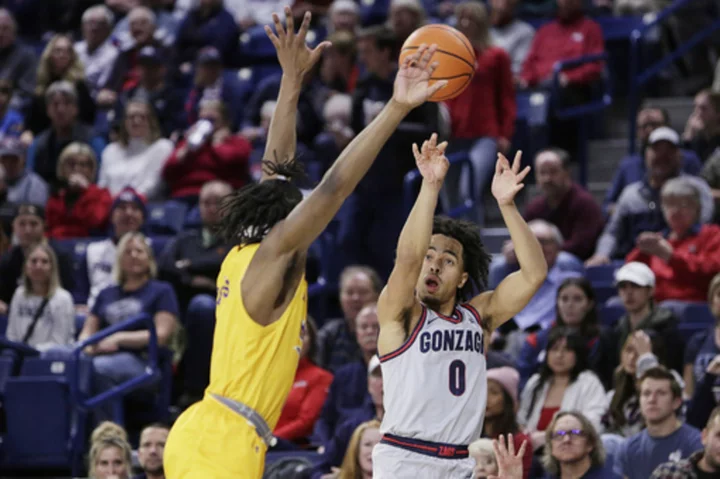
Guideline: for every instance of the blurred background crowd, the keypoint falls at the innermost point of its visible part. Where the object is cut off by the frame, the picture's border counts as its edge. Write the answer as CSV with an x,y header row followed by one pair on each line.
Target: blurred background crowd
x,y
124,123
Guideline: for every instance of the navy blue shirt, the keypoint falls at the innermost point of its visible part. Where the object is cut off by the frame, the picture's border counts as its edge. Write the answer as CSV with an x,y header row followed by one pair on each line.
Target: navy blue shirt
x,y
700,351
632,169
348,392
114,305
641,454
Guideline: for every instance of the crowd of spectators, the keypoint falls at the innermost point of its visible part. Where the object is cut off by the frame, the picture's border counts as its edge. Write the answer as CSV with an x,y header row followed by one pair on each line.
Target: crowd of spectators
x,y
110,108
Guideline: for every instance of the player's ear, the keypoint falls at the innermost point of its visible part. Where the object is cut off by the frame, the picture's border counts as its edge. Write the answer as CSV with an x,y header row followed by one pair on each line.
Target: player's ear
x,y
463,280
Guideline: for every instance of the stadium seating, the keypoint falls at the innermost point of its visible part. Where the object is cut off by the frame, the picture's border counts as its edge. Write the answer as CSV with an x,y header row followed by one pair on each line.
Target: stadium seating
x,y
165,218
610,314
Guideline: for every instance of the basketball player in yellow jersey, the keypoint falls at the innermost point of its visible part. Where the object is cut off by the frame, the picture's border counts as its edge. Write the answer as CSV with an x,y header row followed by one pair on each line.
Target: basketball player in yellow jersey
x,y
261,302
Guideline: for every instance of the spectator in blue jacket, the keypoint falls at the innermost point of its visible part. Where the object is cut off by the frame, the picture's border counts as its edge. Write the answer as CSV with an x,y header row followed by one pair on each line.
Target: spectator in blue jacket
x,y
333,450
349,391
632,167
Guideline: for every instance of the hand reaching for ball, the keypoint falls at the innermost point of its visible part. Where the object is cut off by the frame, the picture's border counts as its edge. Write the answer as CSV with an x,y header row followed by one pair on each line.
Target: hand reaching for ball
x,y
508,179
431,161
412,84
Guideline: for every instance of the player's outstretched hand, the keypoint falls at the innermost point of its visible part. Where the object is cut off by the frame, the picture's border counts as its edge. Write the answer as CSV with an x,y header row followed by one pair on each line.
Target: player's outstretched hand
x,y
295,57
510,465
412,83
431,161
508,180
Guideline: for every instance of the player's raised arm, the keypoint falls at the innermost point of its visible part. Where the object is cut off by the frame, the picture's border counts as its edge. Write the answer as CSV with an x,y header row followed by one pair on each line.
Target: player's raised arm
x,y
296,59
398,297
312,215
515,291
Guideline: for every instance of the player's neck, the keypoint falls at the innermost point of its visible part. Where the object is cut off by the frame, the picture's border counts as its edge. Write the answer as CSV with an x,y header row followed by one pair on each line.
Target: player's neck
x,y
576,469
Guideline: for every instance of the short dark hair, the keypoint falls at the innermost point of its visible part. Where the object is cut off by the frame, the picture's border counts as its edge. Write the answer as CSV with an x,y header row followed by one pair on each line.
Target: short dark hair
x,y
252,211
384,37
663,112
155,425
476,260
562,155
662,373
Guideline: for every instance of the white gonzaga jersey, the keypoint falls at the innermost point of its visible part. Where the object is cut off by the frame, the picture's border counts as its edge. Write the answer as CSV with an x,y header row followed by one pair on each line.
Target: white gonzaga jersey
x,y
435,385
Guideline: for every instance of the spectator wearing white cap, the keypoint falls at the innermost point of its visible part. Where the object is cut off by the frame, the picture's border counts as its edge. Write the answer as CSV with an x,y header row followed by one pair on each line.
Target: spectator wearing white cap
x,y
686,256
637,210
636,286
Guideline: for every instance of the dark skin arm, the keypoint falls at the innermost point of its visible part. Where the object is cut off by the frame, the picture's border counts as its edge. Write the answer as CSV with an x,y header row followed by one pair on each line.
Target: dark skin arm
x,y
278,266
296,60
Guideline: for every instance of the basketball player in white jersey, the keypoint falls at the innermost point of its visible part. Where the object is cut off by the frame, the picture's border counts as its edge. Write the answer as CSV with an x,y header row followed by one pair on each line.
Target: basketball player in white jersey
x,y
433,335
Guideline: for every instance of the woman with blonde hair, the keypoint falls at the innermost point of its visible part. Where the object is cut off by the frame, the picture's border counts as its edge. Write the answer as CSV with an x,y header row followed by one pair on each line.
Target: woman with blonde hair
x,y
59,62
79,208
357,463
122,355
110,453
137,158
42,314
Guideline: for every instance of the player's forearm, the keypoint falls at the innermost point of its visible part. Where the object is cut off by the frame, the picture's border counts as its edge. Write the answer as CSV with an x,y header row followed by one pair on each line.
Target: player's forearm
x,y
527,248
415,236
282,136
352,164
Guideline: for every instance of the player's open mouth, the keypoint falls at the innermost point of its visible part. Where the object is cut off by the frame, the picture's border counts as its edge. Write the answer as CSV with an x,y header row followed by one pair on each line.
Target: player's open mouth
x,y
432,284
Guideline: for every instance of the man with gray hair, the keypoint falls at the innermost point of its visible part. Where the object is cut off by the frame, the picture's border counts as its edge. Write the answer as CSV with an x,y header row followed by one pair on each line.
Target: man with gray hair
x,y
96,51
685,257
540,311
637,210
61,101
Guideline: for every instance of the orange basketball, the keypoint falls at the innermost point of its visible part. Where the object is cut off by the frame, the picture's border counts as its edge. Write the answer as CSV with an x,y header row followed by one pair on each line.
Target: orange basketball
x,y
454,54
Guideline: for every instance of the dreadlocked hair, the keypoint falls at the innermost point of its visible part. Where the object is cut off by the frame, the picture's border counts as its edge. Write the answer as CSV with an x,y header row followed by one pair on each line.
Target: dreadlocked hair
x,y
475,259
248,214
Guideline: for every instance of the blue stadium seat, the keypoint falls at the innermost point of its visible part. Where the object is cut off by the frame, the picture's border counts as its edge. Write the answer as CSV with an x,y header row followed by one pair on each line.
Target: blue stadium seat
x,y
688,330
604,291
618,28
603,274
40,428
610,313
192,220
7,365
3,324
690,313
272,457
165,218
158,244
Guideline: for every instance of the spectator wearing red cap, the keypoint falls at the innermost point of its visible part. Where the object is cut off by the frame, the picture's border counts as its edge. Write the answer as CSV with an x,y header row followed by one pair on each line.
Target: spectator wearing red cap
x,y
127,215
213,154
501,410
80,208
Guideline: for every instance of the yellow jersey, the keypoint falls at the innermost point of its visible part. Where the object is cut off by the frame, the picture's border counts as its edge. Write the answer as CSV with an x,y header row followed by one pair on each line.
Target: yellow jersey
x,y
250,363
